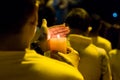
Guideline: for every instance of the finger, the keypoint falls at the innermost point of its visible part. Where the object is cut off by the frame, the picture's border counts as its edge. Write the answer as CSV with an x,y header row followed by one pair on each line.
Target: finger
x,y
44,26
64,58
68,29
60,56
59,30
44,23
63,24
71,51
43,30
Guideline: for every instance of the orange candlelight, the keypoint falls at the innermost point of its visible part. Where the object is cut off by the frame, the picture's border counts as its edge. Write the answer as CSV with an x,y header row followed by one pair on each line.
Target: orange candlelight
x,y
58,44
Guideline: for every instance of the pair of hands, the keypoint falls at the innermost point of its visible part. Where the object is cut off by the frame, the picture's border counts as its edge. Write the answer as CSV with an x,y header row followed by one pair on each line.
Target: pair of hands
x,y
72,57
52,31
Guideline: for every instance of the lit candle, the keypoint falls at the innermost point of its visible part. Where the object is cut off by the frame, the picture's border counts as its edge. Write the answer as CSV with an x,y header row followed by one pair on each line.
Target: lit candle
x,y
58,44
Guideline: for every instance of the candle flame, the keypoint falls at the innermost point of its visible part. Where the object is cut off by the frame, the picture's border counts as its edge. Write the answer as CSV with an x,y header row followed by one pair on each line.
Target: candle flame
x,y
48,37
58,36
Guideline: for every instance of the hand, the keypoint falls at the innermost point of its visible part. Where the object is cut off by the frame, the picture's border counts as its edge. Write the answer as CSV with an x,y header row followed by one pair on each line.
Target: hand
x,y
52,31
47,33
43,31
72,57
62,30
43,38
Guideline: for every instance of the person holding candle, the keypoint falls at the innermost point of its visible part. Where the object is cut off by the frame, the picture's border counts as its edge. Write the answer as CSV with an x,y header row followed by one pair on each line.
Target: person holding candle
x,y
17,60
51,44
44,33
94,62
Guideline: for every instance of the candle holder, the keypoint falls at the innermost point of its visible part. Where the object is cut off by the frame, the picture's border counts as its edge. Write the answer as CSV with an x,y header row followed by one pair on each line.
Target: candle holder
x,y
58,44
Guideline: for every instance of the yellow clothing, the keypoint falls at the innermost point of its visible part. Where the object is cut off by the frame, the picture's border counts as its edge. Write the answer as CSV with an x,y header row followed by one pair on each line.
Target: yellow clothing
x,y
29,65
93,63
115,63
102,43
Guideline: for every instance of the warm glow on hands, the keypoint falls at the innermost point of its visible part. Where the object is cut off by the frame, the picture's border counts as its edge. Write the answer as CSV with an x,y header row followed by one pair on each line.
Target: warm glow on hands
x,y
72,57
60,30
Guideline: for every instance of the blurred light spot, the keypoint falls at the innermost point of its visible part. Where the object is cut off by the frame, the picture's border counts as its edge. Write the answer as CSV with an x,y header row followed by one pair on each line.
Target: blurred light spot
x,y
115,14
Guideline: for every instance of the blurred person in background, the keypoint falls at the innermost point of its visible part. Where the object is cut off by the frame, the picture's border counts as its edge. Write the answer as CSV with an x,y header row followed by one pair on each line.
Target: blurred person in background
x,y
94,34
94,61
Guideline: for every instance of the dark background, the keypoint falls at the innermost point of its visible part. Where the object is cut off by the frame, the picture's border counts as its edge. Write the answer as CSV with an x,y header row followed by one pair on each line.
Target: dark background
x,y
104,8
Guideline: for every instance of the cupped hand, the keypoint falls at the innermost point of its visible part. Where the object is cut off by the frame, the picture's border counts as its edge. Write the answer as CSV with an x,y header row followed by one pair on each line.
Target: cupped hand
x,y
72,57
60,30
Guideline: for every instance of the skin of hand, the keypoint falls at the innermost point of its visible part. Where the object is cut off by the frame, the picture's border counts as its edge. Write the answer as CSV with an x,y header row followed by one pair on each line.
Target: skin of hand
x,y
62,30
47,33
72,56
43,38
44,31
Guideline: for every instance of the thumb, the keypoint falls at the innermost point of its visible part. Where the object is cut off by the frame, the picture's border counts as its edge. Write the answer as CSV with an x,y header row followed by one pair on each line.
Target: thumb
x,y
43,30
44,23
63,24
65,58
44,27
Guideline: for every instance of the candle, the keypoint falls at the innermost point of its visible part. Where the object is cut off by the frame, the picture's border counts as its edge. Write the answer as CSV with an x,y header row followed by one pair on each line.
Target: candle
x,y
58,44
